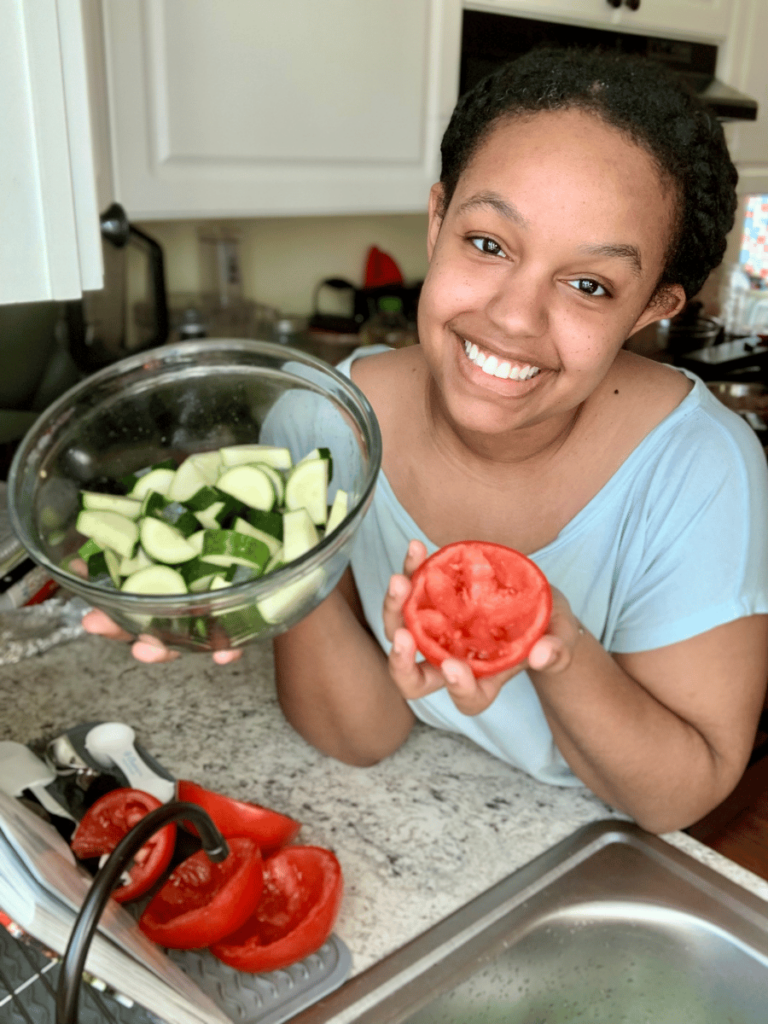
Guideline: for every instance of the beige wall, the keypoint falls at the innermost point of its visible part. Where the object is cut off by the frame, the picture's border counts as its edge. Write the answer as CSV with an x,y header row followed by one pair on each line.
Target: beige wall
x,y
283,259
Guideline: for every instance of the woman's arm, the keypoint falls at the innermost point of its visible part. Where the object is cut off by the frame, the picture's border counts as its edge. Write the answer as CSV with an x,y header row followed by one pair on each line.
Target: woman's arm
x,y
664,735
334,686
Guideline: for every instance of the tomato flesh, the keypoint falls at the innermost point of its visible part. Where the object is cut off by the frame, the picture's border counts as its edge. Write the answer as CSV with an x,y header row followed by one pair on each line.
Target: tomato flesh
x,y
269,829
303,888
203,901
481,602
109,819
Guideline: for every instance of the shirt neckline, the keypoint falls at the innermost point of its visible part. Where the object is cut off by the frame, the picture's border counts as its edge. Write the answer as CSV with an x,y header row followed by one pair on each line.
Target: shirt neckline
x,y
692,400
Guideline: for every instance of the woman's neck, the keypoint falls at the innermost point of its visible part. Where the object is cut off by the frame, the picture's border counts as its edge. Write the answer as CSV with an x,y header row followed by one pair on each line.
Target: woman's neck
x,y
525,446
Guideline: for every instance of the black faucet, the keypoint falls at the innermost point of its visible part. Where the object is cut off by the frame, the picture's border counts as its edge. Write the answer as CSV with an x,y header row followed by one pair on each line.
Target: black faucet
x,y
215,846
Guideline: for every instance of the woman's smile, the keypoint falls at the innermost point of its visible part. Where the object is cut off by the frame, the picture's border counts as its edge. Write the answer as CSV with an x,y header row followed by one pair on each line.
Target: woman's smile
x,y
496,367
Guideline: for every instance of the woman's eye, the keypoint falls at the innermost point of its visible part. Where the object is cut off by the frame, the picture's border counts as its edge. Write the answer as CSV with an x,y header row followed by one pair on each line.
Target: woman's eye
x,y
588,287
487,245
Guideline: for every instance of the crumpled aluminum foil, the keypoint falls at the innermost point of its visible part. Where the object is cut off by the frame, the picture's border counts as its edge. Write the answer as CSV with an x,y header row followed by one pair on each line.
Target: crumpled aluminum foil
x,y
34,629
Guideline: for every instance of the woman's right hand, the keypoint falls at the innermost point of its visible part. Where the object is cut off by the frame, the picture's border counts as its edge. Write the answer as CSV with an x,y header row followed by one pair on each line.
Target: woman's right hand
x,y
144,648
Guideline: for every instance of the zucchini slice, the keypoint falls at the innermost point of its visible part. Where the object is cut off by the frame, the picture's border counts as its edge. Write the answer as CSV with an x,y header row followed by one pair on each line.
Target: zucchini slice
x,y
109,530
238,454
93,500
159,480
187,480
339,510
228,547
243,526
307,487
155,580
164,543
250,485
299,534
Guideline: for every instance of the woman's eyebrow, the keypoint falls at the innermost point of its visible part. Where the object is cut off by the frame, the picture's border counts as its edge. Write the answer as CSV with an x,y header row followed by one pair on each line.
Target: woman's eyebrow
x,y
630,253
502,206
497,203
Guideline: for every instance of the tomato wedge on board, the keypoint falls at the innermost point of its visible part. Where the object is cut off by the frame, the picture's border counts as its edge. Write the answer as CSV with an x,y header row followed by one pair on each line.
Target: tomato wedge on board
x,y
201,901
269,829
109,819
481,602
303,887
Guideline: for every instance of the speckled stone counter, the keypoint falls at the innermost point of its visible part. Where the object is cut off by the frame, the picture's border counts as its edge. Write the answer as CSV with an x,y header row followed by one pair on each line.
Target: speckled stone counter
x,y
417,836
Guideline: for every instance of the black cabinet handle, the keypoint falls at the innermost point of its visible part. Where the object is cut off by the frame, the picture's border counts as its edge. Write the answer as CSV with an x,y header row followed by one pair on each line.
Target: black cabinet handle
x,y
632,4
614,3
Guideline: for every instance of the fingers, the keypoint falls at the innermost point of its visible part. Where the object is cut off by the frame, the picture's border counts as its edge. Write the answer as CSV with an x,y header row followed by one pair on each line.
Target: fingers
x,y
226,657
413,679
98,623
152,651
147,649
400,587
416,554
549,654
471,695
392,611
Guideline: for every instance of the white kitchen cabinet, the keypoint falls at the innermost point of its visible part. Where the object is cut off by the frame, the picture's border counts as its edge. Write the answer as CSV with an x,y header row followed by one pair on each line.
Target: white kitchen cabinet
x,y
236,108
50,244
700,20
743,64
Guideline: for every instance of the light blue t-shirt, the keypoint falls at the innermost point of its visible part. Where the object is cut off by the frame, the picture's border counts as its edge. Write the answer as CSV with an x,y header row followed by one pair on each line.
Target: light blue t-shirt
x,y
674,544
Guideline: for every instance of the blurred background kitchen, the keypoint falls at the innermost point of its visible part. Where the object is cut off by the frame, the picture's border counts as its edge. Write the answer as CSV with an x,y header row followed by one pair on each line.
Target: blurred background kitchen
x,y
260,168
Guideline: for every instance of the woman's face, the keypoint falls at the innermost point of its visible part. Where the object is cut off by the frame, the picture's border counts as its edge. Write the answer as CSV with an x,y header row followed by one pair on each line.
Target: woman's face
x,y
541,268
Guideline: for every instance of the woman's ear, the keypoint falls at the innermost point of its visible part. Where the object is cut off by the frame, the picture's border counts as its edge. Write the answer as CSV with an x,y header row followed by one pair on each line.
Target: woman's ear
x,y
435,215
664,304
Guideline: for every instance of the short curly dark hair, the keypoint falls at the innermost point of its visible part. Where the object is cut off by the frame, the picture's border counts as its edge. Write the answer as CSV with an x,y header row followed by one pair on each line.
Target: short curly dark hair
x,y
637,96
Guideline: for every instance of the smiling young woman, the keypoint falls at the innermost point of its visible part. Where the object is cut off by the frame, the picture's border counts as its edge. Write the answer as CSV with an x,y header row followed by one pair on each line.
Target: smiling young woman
x,y
581,198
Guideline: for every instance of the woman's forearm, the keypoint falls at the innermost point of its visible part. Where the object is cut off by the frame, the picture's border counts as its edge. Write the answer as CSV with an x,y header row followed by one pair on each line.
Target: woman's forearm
x,y
334,686
630,748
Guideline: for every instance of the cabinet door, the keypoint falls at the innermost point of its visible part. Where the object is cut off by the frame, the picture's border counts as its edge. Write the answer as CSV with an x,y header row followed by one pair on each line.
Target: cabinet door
x,y
701,20
743,64
50,244
277,107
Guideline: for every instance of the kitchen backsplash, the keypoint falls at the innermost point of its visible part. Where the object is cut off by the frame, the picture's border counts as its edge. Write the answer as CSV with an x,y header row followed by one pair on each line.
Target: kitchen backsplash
x,y
283,259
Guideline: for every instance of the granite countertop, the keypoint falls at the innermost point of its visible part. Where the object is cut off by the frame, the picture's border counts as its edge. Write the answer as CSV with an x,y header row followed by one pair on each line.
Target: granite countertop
x,y
417,835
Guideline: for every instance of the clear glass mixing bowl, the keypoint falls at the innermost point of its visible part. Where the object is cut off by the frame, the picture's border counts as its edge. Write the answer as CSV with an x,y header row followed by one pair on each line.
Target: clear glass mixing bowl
x,y
168,403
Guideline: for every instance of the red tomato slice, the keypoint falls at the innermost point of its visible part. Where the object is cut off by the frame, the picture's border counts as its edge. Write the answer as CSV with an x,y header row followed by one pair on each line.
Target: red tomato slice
x,y
202,901
484,603
269,829
303,887
106,822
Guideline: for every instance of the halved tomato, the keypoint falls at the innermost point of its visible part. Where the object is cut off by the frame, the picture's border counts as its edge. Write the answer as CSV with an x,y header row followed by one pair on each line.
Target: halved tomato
x,y
302,894
203,901
481,602
111,818
269,829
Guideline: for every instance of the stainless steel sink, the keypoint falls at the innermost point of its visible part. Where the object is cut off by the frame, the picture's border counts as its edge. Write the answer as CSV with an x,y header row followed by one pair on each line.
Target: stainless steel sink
x,y
612,925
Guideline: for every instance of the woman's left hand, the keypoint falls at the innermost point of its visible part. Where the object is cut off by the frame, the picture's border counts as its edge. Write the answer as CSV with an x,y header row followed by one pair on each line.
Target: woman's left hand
x,y
552,653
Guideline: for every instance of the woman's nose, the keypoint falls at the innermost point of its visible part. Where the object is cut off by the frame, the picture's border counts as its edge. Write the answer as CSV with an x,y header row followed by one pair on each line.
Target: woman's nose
x,y
518,303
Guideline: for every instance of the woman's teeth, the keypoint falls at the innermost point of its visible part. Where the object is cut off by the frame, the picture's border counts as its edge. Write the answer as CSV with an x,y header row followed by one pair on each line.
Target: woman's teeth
x,y
498,367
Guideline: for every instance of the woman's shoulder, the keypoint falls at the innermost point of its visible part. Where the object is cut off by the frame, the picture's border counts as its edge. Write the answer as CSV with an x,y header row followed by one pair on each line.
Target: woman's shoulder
x,y
387,377
651,390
